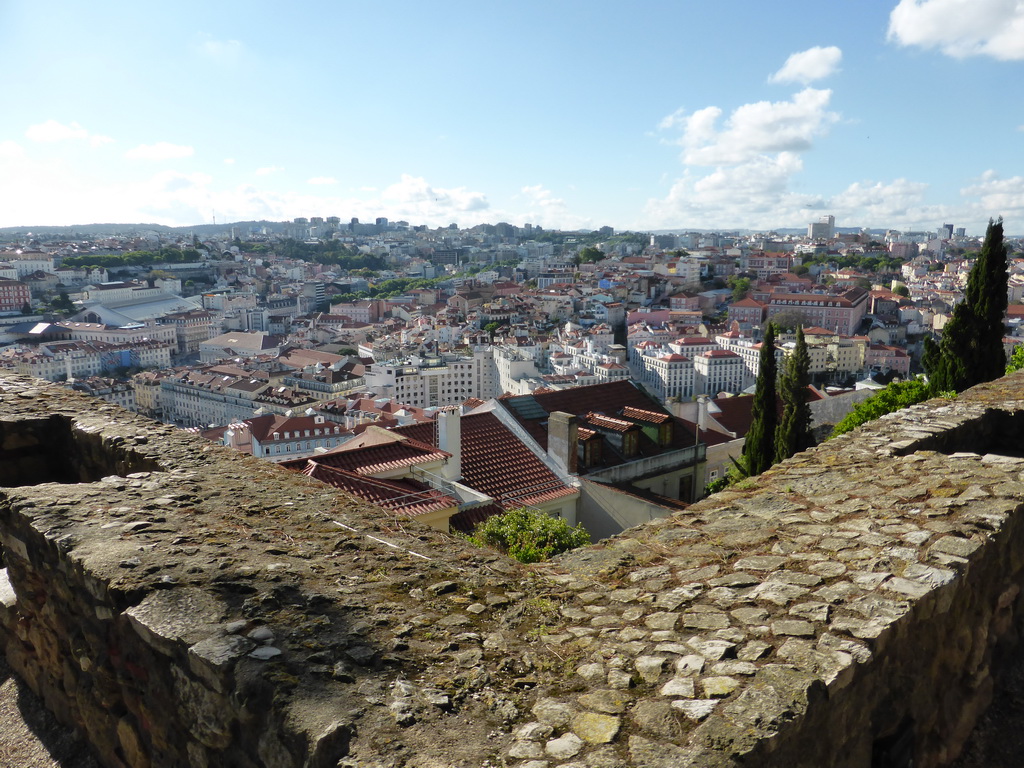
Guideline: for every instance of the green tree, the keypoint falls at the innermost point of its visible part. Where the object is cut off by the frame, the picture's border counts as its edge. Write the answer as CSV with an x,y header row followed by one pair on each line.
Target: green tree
x,y
63,303
971,348
589,255
740,286
901,290
794,431
529,535
491,328
788,320
759,447
895,397
1016,361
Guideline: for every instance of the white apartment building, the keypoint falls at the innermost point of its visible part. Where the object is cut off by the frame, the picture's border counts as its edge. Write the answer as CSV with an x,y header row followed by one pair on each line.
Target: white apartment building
x,y
62,360
277,437
126,334
512,366
28,263
833,353
117,292
430,382
750,352
670,375
719,371
199,399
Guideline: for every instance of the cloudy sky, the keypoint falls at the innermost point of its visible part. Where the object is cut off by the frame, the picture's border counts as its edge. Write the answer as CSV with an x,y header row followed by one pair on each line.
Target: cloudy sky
x,y
662,114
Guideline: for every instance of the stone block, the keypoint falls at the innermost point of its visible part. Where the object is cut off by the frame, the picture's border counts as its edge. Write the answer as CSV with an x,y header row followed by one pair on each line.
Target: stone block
x,y
168,620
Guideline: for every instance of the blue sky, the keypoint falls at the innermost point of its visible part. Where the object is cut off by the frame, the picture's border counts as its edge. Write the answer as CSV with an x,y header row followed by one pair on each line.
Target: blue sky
x,y
650,115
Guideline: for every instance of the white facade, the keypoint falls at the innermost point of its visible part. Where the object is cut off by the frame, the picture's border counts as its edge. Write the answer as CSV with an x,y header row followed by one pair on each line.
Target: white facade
x,y
78,359
434,382
671,375
719,371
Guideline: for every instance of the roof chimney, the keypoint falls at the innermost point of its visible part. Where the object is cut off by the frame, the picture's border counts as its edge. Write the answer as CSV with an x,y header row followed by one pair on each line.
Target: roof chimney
x,y
449,438
563,440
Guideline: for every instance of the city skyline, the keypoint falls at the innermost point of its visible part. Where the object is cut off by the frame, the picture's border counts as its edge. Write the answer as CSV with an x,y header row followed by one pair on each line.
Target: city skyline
x,y
580,115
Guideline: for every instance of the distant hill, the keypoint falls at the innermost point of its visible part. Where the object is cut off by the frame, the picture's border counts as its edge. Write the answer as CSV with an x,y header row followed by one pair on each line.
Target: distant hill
x,y
203,230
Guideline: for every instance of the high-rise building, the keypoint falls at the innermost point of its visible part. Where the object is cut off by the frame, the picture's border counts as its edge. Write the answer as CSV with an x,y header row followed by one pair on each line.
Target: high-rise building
x,y
946,232
823,229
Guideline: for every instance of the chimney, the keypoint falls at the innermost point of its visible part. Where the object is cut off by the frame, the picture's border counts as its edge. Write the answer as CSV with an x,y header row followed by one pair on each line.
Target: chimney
x,y
449,438
563,441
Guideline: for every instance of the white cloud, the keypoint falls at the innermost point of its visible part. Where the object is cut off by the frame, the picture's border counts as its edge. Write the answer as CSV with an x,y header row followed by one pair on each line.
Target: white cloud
x,y
754,157
222,51
10,150
414,195
961,28
322,180
51,131
229,161
756,191
546,210
753,129
810,65
266,171
162,150
900,200
997,196
542,197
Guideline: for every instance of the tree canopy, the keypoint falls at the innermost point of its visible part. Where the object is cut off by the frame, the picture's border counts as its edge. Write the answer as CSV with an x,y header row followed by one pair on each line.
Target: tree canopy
x,y
971,348
759,447
794,431
589,255
132,258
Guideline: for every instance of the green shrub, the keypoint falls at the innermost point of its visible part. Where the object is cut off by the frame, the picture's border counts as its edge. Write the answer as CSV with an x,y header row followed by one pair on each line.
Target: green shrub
x,y
896,396
529,536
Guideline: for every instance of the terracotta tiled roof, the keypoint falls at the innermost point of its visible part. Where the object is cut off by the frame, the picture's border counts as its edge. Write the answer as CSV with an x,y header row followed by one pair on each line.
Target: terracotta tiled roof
x,y
641,414
372,457
735,412
606,422
468,519
406,496
610,399
496,463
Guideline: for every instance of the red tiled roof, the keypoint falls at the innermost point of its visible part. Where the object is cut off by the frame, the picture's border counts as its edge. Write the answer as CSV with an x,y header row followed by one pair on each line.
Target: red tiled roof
x,y
606,422
406,496
609,399
368,455
498,464
735,412
468,519
641,414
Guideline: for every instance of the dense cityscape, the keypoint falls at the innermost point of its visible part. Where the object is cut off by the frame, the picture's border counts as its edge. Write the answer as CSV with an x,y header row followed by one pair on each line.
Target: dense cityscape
x,y
289,341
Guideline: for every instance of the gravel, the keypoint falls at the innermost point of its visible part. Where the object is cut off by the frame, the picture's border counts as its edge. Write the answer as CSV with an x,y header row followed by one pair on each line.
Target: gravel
x,y
30,737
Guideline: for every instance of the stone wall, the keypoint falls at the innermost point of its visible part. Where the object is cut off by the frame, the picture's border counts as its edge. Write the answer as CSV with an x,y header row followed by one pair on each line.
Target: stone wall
x,y
183,605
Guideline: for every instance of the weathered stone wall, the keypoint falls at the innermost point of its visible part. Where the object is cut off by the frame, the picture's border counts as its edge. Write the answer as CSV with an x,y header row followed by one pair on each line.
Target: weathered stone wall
x,y
183,605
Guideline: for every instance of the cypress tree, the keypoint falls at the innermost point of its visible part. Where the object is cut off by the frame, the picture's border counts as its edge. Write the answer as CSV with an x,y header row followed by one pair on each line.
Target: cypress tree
x,y
971,349
794,431
759,448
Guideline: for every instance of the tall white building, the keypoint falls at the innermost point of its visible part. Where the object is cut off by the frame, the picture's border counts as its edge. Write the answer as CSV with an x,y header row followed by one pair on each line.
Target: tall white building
x,y
430,382
718,371
822,229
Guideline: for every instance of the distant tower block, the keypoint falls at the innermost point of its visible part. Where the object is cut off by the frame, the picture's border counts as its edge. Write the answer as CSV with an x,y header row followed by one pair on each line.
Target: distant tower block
x,y
823,229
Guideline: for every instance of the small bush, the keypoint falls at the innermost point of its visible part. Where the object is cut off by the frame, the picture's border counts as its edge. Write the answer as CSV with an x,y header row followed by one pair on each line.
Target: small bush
x,y
895,397
529,536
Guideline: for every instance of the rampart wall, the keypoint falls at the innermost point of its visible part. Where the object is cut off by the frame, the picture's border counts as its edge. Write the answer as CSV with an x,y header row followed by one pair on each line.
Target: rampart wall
x,y
184,605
